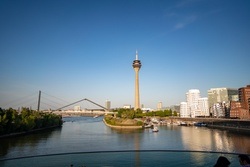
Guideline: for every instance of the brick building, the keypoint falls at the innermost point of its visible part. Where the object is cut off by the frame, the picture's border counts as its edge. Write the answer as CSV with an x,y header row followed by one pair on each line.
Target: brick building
x,y
241,109
235,109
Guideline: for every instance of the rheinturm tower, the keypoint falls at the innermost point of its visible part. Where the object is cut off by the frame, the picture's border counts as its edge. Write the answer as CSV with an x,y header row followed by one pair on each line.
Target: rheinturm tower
x,y
137,66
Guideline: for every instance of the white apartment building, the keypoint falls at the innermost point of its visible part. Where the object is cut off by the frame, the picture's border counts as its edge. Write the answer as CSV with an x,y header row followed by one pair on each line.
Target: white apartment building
x,y
192,97
219,109
184,112
203,106
195,105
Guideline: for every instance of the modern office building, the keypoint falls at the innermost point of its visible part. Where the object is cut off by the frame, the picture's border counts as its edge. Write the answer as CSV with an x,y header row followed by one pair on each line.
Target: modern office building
x,y
142,105
108,105
220,95
175,108
159,106
137,65
219,101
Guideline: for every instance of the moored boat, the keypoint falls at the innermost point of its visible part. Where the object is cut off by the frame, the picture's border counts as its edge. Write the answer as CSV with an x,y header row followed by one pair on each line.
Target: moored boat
x,y
183,124
148,126
200,124
155,129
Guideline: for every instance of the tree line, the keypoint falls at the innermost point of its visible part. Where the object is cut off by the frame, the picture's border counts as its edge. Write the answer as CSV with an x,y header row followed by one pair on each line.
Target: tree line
x,y
13,121
131,114
123,114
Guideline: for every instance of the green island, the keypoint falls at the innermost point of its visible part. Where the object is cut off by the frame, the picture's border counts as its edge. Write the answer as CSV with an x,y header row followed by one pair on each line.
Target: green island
x,y
129,118
13,122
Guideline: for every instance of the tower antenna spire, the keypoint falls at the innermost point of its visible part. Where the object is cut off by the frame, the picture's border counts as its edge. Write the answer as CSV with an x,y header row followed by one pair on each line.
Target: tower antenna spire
x,y
136,55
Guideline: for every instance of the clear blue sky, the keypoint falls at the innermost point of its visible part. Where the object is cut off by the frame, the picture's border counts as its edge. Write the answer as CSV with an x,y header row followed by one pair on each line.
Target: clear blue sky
x,y
85,49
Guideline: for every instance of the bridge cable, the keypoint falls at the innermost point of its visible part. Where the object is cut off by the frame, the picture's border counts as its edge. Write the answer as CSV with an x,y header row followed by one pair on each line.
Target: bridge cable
x,y
80,101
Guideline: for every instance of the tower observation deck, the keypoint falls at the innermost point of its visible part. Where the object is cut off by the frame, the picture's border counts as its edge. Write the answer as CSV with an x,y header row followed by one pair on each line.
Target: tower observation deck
x,y
137,65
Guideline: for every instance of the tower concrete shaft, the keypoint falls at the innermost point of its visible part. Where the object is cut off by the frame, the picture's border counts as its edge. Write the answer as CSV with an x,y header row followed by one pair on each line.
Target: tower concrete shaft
x,y
137,65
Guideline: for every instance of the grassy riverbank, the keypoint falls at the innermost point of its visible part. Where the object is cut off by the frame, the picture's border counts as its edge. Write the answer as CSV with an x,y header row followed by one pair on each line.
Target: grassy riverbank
x,y
122,122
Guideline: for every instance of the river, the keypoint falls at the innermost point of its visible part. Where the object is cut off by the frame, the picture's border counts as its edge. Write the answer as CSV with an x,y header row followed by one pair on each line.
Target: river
x,y
87,134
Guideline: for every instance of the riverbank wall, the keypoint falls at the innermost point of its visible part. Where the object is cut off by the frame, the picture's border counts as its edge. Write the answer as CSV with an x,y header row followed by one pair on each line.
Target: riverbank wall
x,y
216,123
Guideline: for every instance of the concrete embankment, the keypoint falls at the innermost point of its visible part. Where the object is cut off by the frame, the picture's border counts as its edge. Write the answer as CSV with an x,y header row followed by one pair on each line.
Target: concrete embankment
x,y
122,127
217,123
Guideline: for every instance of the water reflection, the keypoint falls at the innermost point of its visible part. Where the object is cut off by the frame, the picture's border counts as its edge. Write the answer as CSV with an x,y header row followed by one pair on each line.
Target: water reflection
x,y
132,135
194,138
27,142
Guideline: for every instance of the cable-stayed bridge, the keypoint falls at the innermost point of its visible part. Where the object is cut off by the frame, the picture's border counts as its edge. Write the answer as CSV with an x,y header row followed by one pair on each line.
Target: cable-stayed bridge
x,y
49,103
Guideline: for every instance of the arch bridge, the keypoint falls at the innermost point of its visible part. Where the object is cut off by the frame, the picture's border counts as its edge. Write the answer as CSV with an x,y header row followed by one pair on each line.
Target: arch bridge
x,y
85,99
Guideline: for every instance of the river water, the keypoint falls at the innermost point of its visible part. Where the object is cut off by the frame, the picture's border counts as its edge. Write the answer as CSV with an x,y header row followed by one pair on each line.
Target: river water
x,y
91,135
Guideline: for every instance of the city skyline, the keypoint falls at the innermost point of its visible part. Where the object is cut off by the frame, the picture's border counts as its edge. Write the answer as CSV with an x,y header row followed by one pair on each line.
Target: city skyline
x,y
84,49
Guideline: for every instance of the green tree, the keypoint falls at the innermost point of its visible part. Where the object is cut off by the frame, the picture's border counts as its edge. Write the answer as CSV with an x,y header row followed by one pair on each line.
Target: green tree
x,y
29,123
11,121
16,121
3,121
171,112
138,113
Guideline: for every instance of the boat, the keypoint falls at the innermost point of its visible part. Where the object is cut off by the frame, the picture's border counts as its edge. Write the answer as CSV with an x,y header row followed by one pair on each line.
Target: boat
x,y
96,116
154,121
182,124
148,126
200,124
155,129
